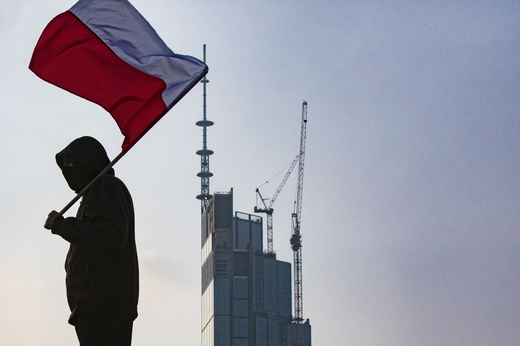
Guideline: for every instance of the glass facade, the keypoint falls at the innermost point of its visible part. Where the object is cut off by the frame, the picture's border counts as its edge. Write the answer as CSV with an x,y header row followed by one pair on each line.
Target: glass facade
x,y
246,295
216,274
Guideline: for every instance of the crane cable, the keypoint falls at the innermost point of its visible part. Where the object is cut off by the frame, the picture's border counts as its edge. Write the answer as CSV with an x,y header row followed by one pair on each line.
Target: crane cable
x,y
277,174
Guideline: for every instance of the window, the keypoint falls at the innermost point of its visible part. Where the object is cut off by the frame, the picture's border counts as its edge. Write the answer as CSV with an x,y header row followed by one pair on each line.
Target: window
x,y
240,288
241,307
241,265
240,327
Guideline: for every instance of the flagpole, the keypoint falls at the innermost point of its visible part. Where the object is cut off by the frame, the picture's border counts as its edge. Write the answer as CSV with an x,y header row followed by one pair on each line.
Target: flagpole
x,y
82,192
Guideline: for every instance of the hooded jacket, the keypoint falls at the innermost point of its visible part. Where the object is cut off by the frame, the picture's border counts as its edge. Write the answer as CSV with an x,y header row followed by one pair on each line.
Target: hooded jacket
x,y
101,265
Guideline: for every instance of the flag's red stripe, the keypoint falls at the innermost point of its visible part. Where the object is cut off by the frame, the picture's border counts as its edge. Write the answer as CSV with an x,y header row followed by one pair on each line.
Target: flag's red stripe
x,y
71,56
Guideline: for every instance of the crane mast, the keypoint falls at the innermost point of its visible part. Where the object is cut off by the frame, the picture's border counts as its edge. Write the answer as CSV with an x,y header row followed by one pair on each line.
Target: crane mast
x,y
268,210
296,223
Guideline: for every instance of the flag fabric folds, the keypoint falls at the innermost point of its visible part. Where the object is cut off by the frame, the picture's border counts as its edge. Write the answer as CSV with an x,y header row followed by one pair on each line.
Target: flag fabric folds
x,y
107,53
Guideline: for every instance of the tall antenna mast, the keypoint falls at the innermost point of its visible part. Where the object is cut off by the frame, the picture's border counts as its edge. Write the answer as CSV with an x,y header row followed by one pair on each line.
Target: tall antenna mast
x,y
204,153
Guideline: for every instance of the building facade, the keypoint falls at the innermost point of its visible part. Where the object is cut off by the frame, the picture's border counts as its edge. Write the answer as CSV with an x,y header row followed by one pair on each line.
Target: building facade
x,y
246,294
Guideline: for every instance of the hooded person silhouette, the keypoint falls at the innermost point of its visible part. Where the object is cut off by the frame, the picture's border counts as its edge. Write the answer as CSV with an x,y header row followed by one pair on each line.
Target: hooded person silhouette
x,y
102,274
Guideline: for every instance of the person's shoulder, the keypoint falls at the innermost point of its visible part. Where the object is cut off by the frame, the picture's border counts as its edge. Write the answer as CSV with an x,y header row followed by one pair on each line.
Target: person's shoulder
x,y
109,180
111,189
110,184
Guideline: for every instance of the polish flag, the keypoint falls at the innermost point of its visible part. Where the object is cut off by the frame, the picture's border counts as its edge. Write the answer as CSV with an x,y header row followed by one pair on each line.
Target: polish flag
x,y
107,53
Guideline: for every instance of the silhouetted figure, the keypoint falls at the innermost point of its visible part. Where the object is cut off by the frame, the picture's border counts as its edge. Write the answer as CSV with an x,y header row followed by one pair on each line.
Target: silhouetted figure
x,y
102,270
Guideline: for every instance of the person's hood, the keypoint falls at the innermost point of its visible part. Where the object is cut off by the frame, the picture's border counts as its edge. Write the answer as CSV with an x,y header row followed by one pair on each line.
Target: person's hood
x,y
81,161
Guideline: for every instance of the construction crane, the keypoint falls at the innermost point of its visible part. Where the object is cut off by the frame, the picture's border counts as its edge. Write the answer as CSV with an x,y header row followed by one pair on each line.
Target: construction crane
x,y
296,238
268,210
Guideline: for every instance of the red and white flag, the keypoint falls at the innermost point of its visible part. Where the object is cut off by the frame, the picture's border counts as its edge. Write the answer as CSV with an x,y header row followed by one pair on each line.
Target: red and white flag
x,y
106,52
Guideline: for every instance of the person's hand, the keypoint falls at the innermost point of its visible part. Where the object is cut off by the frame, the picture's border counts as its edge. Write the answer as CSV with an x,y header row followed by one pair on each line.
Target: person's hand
x,y
53,215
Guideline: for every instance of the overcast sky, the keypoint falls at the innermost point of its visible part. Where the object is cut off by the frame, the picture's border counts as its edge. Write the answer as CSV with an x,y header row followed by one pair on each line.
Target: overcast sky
x,y
410,217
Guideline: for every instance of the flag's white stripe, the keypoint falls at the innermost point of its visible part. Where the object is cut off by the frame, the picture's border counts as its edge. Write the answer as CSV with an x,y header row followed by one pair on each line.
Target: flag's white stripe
x,y
130,36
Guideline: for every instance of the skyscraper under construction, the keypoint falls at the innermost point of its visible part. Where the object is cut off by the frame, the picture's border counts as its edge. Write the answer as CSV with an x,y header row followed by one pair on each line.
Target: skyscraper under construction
x,y
246,294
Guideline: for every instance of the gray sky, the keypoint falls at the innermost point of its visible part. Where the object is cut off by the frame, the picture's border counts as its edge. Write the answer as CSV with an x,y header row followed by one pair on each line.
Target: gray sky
x,y
410,216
